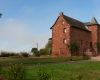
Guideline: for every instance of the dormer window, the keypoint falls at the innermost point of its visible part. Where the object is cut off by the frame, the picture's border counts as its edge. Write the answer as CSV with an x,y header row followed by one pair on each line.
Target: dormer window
x,y
63,22
64,41
64,30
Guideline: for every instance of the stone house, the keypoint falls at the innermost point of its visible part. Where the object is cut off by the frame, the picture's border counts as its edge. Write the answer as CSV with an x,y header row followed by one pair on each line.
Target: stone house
x,y
67,29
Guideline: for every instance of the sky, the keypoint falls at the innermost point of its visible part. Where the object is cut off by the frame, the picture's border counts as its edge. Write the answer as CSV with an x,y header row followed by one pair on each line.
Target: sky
x,y
25,23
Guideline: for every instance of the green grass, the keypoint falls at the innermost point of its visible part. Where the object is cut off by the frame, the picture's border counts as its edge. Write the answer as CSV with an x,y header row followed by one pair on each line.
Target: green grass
x,y
36,60
86,70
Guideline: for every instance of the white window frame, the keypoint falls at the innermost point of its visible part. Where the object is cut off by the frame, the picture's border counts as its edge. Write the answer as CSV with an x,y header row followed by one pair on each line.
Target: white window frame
x,y
64,30
63,22
64,41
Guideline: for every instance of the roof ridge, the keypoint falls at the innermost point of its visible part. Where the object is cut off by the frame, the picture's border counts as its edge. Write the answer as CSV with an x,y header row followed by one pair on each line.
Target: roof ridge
x,y
75,23
94,21
73,19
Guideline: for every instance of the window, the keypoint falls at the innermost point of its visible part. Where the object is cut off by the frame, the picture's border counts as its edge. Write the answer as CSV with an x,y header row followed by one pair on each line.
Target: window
x,y
63,22
64,30
64,41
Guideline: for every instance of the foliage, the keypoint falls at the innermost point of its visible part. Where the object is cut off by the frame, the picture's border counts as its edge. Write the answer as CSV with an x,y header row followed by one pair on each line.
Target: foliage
x,y
42,74
44,51
35,52
75,58
70,71
7,54
98,45
48,46
76,78
16,72
24,54
73,47
6,62
0,68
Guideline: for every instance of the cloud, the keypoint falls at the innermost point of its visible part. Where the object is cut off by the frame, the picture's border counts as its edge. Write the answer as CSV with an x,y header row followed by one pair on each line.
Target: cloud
x,y
25,11
17,36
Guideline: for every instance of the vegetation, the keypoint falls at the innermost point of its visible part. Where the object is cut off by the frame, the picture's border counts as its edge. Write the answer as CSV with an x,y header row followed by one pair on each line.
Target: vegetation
x,y
7,54
24,54
5,62
75,71
98,45
44,52
0,68
43,74
13,54
73,47
16,72
35,52
48,46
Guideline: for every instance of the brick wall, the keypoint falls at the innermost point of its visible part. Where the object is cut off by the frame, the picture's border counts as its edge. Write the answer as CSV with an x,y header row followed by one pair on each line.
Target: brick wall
x,y
98,36
85,39
58,47
94,31
81,37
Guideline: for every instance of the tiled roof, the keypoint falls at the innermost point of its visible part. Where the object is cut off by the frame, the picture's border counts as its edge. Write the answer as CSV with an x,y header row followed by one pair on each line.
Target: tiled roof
x,y
75,23
78,24
50,39
93,22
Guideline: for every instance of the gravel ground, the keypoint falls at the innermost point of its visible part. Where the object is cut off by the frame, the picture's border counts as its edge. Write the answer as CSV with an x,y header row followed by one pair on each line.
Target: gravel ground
x,y
97,58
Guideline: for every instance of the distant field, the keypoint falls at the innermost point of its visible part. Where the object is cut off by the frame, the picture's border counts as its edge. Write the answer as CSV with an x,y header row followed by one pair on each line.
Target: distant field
x,y
86,71
37,60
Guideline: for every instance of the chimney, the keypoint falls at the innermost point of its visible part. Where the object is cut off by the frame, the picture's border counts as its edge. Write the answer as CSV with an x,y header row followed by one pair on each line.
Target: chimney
x,y
61,13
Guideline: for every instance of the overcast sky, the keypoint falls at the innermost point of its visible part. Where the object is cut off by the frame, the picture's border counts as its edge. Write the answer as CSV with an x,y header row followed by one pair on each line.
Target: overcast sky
x,y
27,22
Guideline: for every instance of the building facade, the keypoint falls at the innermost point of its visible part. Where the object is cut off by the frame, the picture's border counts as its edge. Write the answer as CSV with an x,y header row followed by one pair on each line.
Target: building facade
x,y
67,29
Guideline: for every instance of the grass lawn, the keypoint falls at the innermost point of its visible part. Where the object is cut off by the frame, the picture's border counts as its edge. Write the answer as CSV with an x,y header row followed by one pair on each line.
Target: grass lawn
x,y
86,70
6,61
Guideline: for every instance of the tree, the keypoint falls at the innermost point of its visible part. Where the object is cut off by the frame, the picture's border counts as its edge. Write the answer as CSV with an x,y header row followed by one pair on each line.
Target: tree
x,y
48,46
35,51
98,45
44,51
73,47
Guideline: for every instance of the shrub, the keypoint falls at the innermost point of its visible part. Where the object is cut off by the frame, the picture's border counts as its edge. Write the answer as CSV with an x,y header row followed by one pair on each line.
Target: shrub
x,y
4,54
44,51
98,45
42,74
79,77
12,54
0,68
7,54
16,72
35,52
73,47
24,54
86,58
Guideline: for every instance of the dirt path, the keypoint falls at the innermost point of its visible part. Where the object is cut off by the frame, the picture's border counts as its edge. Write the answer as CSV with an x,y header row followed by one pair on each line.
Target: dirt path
x,y
97,58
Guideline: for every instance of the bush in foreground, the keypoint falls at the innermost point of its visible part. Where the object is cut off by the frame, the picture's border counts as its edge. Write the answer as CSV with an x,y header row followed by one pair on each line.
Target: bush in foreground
x,y
16,72
43,74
